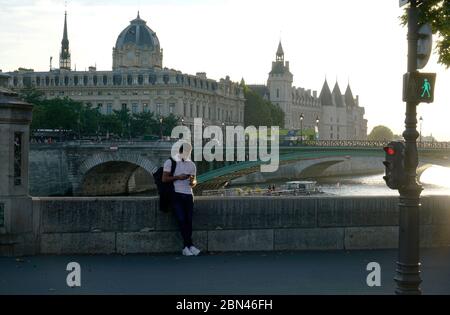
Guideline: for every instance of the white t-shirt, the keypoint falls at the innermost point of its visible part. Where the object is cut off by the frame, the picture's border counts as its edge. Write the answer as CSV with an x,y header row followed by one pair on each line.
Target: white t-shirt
x,y
187,167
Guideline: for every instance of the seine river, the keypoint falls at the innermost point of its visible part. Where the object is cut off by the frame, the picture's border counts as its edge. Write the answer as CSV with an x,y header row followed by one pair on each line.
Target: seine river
x,y
435,180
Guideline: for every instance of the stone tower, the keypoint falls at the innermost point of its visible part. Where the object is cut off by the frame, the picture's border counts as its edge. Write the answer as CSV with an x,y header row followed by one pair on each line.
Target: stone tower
x,y
64,56
16,217
280,86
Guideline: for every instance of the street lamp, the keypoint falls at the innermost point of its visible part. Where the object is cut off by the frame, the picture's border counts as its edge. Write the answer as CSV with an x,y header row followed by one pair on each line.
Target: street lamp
x,y
301,127
317,127
160,127
182,121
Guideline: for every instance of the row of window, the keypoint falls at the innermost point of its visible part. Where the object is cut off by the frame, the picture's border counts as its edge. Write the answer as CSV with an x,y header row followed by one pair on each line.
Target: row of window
x,y
100,93
116,80
136,108
205,112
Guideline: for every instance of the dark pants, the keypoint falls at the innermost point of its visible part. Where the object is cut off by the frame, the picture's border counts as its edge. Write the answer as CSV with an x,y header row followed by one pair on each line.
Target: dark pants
x,y
184,208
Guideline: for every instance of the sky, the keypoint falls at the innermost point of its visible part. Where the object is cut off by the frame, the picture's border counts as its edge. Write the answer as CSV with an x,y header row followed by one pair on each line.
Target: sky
x,y
356,41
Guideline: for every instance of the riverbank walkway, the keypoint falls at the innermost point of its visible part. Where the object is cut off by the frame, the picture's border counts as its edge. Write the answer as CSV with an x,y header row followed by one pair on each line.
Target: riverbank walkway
x,y
336,272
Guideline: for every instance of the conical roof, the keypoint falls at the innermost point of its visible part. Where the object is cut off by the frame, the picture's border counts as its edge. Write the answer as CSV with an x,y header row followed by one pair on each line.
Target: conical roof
x,y
325,95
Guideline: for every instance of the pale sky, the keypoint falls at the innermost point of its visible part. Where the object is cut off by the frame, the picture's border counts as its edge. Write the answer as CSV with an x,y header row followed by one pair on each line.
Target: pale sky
x,y
357,40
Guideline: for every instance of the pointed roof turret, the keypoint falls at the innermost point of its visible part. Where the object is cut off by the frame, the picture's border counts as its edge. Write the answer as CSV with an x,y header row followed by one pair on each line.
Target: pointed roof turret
x,y
280,52
64,57
325,95
349,99
337,95
65,39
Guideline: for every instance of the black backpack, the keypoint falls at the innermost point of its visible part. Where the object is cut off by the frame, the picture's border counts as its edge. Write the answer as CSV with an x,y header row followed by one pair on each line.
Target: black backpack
x,y
165,190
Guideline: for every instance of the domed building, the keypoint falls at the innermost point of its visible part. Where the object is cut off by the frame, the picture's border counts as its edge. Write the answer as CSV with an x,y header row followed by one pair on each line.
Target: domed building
x,y
138,82
137,47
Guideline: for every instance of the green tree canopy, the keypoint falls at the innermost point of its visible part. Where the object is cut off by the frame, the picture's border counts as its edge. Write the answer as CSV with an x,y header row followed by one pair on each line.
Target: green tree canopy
x,y
260,112
381,133
77,118
437,13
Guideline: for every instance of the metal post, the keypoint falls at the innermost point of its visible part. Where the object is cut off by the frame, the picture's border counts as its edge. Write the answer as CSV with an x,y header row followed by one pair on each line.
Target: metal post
x,y
408,266
421,124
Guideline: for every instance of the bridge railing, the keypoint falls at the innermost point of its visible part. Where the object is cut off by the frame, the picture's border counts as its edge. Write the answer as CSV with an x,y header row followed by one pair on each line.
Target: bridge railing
x,y
304,143
367,143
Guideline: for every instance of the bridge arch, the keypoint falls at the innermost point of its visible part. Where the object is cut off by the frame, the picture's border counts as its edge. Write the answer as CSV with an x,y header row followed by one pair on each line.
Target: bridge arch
x,y
118,173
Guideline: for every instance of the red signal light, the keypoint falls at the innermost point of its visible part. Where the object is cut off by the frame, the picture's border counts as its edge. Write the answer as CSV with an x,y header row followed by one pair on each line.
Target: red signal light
x,y
389,150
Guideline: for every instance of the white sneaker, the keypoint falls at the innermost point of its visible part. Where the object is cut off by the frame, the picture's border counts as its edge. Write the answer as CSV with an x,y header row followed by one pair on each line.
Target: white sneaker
x,y
187,252
194,250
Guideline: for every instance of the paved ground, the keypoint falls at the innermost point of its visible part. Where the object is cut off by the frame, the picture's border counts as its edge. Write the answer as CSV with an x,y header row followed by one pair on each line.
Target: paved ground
x,y
246,273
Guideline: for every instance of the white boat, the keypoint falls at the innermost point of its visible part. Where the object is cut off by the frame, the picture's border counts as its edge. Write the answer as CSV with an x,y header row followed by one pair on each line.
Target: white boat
x,y
301,188
295,188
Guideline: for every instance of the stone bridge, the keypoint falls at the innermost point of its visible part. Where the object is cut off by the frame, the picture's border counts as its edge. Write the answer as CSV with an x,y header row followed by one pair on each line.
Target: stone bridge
x,y
94,169
74,169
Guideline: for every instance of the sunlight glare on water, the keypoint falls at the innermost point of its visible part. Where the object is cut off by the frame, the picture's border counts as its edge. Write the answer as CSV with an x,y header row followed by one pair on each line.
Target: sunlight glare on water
x,y
435,181
437,175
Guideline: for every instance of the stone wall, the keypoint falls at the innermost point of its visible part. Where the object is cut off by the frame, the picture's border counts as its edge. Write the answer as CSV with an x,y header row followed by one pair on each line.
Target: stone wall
x,y
135,225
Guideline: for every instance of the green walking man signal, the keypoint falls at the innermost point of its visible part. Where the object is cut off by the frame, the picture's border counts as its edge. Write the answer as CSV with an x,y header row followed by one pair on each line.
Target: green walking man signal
x,y
426,86
419,87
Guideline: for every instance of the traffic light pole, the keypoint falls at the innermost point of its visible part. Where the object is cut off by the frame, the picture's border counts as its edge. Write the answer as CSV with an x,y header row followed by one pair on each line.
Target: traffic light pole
x,y
408,265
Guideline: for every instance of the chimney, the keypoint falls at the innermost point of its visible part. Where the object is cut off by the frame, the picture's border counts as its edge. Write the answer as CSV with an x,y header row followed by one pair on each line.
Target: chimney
x,y
201,75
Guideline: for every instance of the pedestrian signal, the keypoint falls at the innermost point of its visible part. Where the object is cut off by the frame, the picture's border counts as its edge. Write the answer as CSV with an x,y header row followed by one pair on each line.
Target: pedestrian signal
x,y
419,87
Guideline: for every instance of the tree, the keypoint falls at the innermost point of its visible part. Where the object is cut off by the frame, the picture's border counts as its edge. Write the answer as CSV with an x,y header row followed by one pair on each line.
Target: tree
x,y
260,112
124,117
169,123
437,13
143,124
110,124
381,133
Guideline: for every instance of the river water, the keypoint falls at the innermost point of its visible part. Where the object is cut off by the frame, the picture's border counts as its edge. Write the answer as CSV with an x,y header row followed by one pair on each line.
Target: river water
x,y
435,181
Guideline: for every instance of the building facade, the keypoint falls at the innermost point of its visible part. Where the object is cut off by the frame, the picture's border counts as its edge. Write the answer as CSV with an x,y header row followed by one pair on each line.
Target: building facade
x,y
337,116
139,82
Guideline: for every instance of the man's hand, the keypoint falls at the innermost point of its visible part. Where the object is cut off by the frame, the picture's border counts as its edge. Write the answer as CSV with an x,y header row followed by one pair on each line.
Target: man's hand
x,y
192,181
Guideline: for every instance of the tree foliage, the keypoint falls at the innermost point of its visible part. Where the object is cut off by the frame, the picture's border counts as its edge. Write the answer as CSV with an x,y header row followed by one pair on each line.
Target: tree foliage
x,y
437,13
75,118
381,133
260,112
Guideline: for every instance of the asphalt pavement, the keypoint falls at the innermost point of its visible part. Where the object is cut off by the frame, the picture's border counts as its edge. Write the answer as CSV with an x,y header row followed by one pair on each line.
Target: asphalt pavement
x,y
291,273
